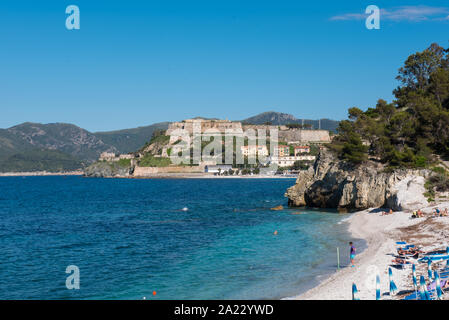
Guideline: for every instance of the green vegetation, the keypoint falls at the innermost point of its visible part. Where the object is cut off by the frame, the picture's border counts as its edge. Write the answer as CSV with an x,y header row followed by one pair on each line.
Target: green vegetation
x,y
314,150
40,160
438,182
130,140
159,137
413,128
125,163
148,160
301,165
75,146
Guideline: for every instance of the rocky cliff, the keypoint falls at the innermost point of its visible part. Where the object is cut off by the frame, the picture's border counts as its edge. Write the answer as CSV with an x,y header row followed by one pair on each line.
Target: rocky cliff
x,y
332,183
104,169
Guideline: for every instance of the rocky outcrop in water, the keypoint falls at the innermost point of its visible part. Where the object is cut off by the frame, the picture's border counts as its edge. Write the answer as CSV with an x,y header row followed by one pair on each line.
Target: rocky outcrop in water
x,y
332,183
103,169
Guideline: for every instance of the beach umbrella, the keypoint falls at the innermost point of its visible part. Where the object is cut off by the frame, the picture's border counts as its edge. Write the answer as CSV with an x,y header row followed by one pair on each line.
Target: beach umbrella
x,y
354,292
429,269
377,287
422,286
415,283
438,286
393,288
424,294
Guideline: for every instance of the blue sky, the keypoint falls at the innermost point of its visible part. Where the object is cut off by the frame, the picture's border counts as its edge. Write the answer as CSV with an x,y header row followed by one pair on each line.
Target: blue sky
x,y
134,63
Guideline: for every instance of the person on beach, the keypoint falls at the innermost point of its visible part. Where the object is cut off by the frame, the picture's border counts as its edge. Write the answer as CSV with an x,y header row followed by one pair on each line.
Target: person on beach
x,y
352,254
400,261
436,213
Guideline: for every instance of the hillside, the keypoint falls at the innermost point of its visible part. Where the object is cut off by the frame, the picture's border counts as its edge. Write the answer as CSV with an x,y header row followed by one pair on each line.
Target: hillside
x,y
28,142
278,118
129,140
64,146
63,137
40,160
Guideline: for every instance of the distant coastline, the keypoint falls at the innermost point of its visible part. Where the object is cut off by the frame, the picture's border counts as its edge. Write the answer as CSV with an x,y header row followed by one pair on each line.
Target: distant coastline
x,y
40,173
155,176
210,176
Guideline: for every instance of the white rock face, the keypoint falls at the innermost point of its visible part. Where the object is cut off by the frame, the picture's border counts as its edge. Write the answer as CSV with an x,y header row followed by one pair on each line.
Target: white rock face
x,y
333,183
407,194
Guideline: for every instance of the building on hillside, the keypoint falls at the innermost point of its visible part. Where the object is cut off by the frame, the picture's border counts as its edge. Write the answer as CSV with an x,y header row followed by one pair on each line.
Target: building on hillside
x,y
281,151
126,156
107,156
252,151
301,149
289,161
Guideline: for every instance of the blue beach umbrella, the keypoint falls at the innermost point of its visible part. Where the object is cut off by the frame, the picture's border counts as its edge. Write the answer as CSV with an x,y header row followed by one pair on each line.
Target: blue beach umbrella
x,y
438,286
377,287
424,294
429,269
415,283
354,292
393,288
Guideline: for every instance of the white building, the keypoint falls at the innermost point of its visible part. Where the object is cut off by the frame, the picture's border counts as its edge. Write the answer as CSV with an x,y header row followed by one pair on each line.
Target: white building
x,y
289,161
107,156
252,150
301,149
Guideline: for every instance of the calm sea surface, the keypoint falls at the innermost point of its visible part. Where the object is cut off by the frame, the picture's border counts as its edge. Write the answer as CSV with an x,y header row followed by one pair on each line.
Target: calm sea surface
x,y
131,237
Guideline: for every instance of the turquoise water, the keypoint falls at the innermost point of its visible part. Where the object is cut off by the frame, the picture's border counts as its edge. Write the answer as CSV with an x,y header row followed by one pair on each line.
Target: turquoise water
x,y
131,237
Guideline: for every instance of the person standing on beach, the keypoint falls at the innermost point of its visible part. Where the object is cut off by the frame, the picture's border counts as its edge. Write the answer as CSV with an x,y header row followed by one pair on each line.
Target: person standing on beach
x,y
352,254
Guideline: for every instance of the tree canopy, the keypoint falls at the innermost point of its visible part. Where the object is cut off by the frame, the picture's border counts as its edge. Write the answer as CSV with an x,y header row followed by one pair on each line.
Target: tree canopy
x,y
413,128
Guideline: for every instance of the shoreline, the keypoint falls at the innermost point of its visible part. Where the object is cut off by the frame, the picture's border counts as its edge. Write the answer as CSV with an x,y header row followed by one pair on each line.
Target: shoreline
x,y
155,176
40,174
206,176
380,234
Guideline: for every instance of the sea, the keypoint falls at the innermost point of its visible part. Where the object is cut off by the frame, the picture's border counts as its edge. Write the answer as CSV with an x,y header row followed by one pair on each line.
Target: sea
x,y
162,239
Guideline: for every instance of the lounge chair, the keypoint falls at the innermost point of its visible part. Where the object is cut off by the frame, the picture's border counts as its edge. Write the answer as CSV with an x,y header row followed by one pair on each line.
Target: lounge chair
x,y
434,257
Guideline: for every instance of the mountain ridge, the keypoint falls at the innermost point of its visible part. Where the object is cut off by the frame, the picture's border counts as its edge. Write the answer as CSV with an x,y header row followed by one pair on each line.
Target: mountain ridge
x,y
280,118
70,145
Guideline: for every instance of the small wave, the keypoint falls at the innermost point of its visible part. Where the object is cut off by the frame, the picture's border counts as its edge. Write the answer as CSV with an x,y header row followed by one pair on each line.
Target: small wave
x,y
126,246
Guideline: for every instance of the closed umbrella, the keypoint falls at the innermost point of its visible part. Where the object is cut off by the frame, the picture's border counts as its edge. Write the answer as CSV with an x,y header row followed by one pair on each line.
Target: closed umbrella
x,y
393,288
354,292
438,286
415,283
377,287
423,289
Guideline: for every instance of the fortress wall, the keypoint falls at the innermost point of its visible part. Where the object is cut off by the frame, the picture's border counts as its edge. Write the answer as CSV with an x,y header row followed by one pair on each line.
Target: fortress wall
x,y
315,135
219,125
305,136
